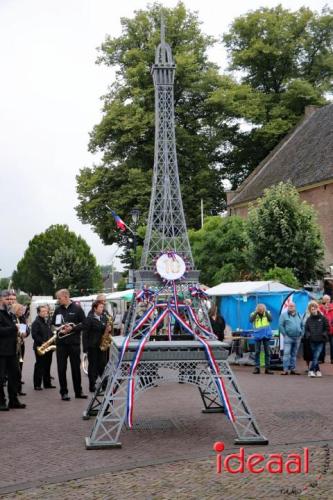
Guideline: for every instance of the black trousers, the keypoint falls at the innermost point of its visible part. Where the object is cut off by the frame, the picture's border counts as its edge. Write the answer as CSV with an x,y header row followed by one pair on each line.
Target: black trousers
x,y
65,351
9,368
96,364
42,369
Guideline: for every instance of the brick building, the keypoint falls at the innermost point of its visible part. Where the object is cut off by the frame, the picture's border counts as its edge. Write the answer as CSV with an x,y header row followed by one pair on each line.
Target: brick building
x,y
304,157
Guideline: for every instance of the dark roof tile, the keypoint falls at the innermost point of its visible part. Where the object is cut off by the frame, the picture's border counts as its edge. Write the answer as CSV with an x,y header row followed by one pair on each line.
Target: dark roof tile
x,y
304,157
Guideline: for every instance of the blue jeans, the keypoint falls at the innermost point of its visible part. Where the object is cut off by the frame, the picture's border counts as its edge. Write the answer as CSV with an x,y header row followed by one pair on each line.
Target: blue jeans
x,y
290,349
316,348
257,353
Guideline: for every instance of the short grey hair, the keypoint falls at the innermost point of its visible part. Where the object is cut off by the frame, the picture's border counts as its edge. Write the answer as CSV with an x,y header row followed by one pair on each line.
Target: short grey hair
x,y
63,291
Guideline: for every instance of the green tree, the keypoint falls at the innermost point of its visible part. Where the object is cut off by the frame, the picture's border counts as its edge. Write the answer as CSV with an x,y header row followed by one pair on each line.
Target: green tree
x,y
4,283
125,135
283,61
122,284
283,232
220,249
57,258
283,275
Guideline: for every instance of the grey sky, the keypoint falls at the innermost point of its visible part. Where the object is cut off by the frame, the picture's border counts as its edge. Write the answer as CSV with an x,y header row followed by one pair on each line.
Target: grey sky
x,y
49,101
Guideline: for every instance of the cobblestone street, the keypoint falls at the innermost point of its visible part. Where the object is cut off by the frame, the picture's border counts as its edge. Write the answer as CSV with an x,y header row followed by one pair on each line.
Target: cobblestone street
x,y
169,453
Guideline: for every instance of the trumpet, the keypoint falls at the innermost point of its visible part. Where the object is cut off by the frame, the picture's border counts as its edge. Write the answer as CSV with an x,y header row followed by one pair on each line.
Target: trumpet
x,y
62,331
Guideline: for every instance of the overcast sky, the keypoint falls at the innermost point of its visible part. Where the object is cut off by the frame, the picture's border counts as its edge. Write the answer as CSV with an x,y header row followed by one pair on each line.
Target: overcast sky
x,y
50,90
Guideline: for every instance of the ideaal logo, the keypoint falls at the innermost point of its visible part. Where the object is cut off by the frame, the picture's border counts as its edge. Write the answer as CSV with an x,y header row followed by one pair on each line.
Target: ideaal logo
x,y
256,463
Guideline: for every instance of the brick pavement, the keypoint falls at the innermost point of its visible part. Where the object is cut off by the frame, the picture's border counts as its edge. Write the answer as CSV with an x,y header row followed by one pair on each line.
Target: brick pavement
x,y
45,442
196,479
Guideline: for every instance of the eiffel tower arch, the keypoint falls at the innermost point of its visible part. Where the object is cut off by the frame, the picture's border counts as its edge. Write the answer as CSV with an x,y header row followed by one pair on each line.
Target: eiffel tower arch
x,y
168,336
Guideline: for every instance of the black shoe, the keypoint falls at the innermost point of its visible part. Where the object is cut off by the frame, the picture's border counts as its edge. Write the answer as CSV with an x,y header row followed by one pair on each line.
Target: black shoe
x,y
38,388
22,393
81,396
22,382
49,387
65,397
293,372
256,371
92,389
3,406
269,372
16,404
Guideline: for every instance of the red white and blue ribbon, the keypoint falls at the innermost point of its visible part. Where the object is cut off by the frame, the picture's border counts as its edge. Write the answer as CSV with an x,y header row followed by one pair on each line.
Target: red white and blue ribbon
x,y
175,295
196,291
128,337
144,318
201,327
169,327
134,365
213,365
146,294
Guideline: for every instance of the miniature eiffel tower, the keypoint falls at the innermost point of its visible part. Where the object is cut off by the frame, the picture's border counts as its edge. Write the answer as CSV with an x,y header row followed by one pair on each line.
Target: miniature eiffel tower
x,y
167,288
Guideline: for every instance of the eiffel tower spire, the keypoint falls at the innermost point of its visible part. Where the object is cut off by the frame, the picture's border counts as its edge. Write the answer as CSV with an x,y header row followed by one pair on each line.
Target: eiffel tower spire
x,y
166,230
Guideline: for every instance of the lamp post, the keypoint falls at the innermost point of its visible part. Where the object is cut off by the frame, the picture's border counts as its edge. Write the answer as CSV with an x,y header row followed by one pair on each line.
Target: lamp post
x,y
135,213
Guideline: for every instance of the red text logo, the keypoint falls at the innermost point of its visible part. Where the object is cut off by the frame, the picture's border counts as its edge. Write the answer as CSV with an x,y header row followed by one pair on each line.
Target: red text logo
x,y
256,463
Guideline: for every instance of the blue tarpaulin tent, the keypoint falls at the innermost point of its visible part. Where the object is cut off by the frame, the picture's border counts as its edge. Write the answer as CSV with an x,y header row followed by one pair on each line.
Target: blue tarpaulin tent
x,y
239,299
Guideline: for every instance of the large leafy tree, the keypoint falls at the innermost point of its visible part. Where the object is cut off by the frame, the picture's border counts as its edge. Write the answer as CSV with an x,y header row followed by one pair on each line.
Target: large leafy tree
x,y
280,62
57,258
283,61
125,135
284,232
220,250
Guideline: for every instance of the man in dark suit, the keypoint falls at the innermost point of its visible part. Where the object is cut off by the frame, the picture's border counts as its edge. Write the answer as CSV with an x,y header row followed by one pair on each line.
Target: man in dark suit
x,y
71,317
8,355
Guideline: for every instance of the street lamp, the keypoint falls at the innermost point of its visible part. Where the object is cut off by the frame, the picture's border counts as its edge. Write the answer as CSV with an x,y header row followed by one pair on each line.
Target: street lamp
x,y
135,213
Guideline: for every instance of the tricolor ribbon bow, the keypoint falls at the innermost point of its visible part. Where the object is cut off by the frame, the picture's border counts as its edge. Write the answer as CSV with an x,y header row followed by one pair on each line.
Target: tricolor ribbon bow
x,y
171,254
196,291
146,294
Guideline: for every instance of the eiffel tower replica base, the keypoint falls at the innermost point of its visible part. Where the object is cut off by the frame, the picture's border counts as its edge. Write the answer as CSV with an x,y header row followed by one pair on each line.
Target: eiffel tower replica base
x,y
164,362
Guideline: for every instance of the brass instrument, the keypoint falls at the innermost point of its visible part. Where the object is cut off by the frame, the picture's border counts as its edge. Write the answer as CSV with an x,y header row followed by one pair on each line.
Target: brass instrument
x,y
19,342
106,338
50,345
47,346
62,330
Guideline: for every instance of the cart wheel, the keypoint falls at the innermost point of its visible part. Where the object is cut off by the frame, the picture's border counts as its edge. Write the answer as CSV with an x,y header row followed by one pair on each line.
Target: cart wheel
x,y
85,363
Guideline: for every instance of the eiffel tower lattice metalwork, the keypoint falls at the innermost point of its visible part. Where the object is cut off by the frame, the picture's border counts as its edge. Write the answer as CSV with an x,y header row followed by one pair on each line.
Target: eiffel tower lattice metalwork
x,y
167,288
166,228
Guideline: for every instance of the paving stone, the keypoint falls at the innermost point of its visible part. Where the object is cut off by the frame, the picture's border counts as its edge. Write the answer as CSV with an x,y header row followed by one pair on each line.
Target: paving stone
x,y
169,453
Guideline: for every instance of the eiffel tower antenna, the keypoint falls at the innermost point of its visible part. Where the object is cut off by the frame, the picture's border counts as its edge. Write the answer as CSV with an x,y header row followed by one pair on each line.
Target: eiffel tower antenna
x,y
162,29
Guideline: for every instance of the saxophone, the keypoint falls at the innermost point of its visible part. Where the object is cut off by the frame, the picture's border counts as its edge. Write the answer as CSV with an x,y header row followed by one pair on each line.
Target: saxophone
x,y
106,338
47,346
50,345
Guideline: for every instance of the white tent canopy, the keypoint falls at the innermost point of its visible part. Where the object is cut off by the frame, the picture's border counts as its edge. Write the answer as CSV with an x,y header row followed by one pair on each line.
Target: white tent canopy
x,y
247,288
